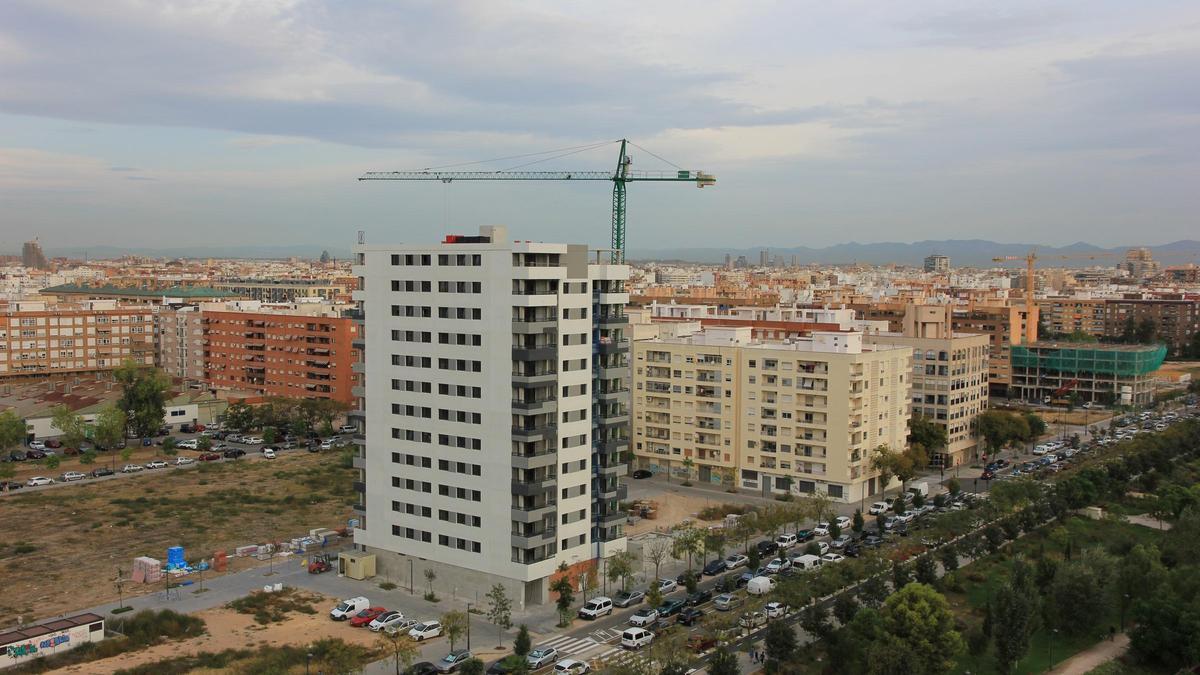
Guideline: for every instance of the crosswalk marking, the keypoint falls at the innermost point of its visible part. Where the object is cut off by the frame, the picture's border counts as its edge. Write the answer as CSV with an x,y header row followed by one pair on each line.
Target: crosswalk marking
x,y
571,646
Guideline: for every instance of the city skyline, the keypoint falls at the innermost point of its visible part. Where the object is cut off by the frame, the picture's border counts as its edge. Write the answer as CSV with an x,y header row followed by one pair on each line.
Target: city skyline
x,y
189,125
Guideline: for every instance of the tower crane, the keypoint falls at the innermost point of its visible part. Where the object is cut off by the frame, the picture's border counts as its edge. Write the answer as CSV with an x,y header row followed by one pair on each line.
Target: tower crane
x,y
1031,258
620,177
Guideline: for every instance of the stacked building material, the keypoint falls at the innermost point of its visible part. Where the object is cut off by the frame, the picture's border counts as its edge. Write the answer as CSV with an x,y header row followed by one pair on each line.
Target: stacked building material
x,y
147,570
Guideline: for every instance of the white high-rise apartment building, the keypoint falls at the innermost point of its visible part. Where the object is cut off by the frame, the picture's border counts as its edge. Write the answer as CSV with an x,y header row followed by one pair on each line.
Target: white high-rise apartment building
x,y
494,410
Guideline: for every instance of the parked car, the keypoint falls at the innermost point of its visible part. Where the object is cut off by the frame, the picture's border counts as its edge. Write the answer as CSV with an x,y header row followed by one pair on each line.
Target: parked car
x,y
101,471
366,616
571,667
833,557
752,620
641,473
775,610
596,608
726,602
132,468
735,561
268,453
37,445
384,620
17,456
644,616
35,454
821,530
671,607
840,541
209,457
425,630
156,464
878,508
347,429
70,476
805,535
628,598
451,662
689,615
10,485
777,565
666,586
542,656
348,608
700,597
715,567
766,548
843,522
38,481
636,638
785,541
233,453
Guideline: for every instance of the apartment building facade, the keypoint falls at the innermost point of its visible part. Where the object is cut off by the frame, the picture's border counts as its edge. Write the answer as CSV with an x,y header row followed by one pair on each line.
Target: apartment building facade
x,y
949,378
301,350
494,410
179,332
283,290
1064,315
797,416
1176,319
39,339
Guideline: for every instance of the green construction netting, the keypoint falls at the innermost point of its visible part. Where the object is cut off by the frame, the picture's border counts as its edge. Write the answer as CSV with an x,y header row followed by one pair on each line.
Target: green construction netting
x,y
1094,359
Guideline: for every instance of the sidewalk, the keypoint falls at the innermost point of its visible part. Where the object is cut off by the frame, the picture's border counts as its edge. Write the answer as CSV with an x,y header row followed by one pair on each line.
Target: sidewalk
x,y
1090,659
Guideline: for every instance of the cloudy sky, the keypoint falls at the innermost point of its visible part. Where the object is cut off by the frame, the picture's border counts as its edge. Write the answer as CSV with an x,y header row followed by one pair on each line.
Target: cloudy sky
x,y
167,123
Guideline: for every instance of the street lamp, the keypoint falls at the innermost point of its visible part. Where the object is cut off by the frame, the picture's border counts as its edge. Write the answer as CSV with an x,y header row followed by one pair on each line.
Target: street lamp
x,y
307,662
411,585
468,626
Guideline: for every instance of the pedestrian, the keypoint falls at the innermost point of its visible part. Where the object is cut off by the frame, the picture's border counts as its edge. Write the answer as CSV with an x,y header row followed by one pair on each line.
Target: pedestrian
x,y
753,655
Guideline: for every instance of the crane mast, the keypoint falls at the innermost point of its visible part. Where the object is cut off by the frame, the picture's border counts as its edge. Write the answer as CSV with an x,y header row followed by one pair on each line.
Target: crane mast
x,y
622,176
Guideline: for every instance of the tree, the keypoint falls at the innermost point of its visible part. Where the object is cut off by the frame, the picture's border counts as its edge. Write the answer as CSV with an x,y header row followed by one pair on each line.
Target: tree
x,y
454,625
953,486
620,566
884,463
1015,612
723,662
522,644
835,530
430,576
1166,630
1138,573
566,595
845,607
1146,331
687,543
52,462
143,396
401,650
270,435
204,444
999,428
815,620
654,596
781,645
110,430
657,551
239,416
873,591
926,434
926,571
170,446
921,631
1075,597
745,528
72,426
858,523
87,457
949,558
1036,425
471,666
714,542
499,611
901,574
688,464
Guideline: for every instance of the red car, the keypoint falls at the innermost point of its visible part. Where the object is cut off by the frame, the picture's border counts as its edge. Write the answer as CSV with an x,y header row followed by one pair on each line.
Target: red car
x,y
209,457
366,616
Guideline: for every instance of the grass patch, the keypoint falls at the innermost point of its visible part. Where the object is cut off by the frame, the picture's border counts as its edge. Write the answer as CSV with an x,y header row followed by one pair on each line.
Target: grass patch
x,y
144,629
270,608
719,511
330,655
388,586
1122,667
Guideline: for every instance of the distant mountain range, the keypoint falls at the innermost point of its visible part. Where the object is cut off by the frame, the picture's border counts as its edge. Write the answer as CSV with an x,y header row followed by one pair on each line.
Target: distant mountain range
x,y
962,252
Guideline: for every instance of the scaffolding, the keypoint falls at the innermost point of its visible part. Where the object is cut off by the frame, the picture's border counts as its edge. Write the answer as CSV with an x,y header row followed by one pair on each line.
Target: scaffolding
x,y
1117,360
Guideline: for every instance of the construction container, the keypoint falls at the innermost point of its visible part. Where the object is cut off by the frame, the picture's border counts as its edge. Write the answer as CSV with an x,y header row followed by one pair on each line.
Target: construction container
x,y
356,565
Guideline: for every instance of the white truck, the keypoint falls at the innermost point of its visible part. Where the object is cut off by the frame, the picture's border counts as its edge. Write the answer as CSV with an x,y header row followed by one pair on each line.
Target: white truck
x,y
921,488
348,608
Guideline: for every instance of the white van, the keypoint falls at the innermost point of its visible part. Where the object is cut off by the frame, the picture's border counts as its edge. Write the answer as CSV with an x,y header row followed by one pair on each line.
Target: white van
x,y
348,608
806,562
760,585
785,541
636,638
596,608
879,507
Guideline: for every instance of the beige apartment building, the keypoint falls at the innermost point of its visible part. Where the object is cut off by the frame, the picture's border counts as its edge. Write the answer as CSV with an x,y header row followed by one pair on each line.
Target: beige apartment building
x,y
180,332
949,378
37,339
797,416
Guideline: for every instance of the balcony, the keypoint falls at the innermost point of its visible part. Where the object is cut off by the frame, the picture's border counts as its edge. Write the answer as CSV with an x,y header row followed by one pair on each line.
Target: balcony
x,y
534,487
532,377
531,539
610,519
535,460
610,320
612,346
533,514
535,432
613,394
534,326
540,353
535,406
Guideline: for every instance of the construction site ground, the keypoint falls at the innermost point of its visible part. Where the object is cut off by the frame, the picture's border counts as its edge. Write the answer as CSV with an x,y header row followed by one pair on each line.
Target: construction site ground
x,y
60,548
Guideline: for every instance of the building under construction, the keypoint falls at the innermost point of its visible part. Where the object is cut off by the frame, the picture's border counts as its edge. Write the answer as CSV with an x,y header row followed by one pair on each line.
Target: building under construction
x,y
1100,373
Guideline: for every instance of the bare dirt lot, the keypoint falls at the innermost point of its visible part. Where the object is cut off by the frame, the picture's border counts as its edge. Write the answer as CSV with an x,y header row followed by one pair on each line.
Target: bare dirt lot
x,y
60,548
674,508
